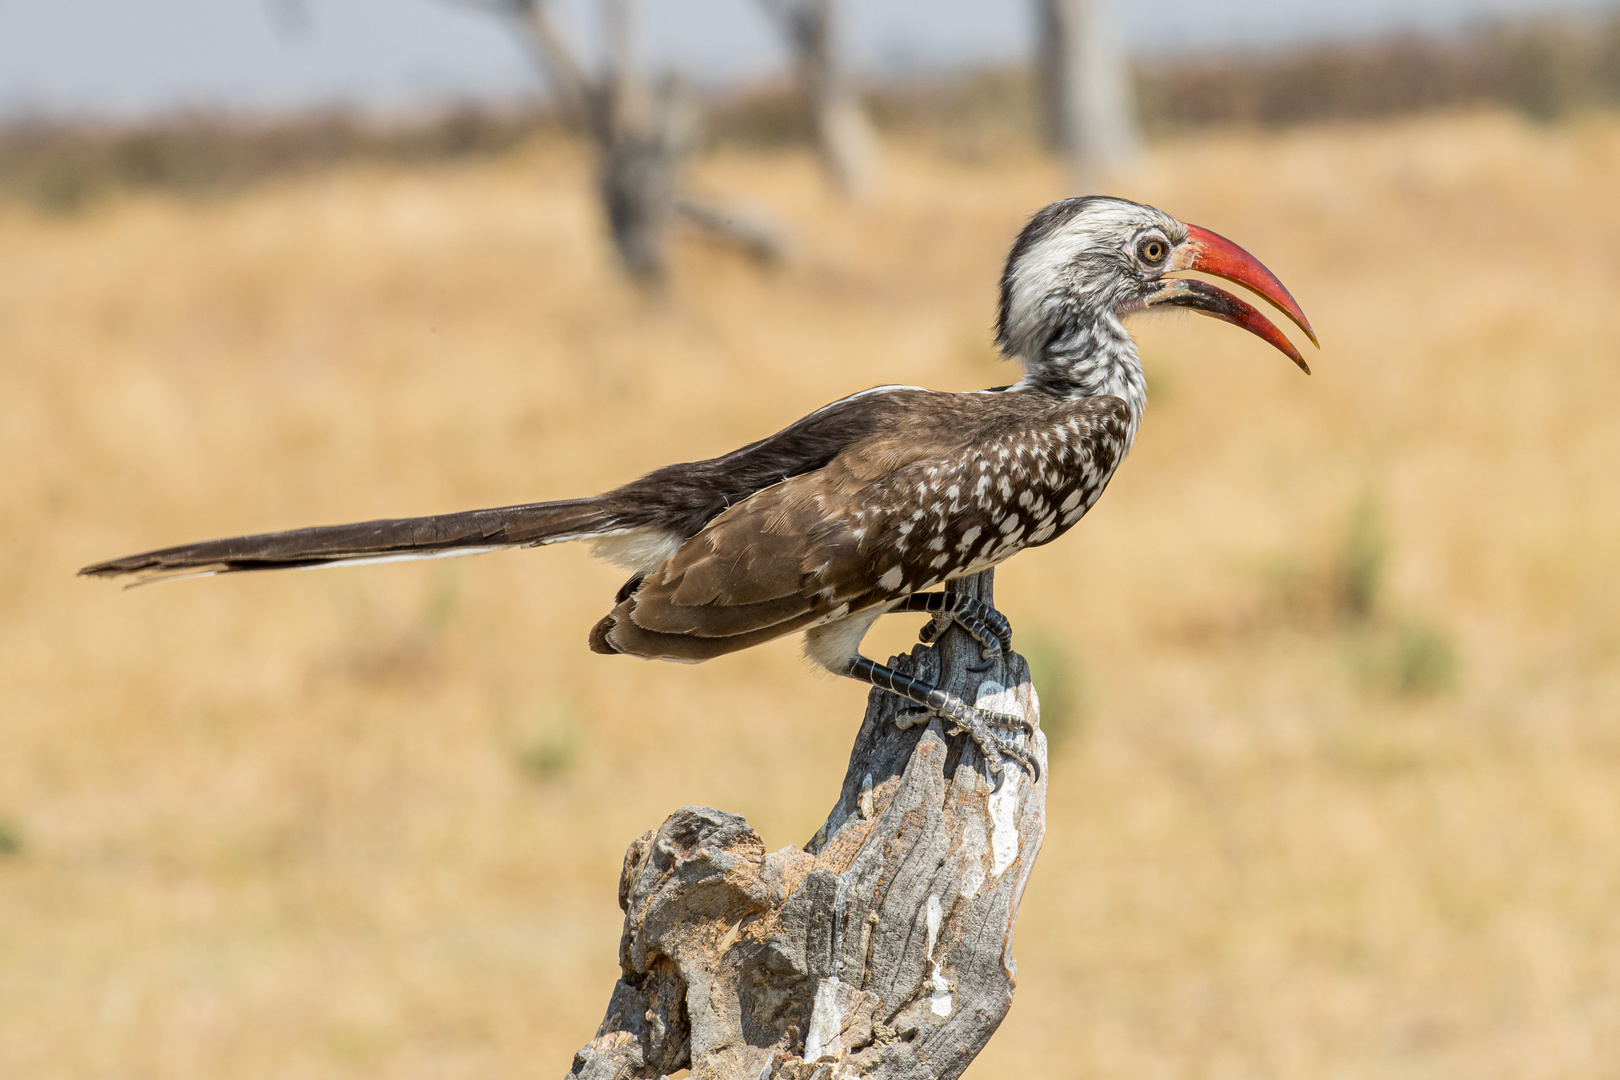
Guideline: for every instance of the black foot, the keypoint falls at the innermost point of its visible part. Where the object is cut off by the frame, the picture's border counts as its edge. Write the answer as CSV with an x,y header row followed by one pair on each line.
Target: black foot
x,y
977,723
982,623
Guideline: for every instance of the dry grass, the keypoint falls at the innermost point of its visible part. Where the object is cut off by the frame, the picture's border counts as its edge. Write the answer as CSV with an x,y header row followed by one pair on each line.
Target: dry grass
x,y
368,823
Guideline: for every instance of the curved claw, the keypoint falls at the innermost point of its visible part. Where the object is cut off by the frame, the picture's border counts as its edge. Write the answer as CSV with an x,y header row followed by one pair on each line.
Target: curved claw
x,y
976,723
1009,720
1024,758
994,750
909,716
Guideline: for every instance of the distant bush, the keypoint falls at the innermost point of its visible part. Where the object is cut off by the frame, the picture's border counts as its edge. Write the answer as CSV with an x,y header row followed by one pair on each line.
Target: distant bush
x,y
1357,576
546,747
1545,68
61,168
1344,588
1343,592
11,842
1411,659
1059,677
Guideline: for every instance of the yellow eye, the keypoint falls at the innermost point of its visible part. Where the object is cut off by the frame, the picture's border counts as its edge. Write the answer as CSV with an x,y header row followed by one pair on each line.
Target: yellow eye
x,y
1153,250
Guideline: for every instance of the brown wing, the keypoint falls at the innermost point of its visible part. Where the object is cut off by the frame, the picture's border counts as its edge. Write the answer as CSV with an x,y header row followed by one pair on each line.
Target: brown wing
x,y
954,491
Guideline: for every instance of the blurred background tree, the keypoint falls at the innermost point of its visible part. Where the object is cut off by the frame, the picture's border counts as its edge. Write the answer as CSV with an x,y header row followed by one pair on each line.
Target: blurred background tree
x,y
1088,102
845,138
642,132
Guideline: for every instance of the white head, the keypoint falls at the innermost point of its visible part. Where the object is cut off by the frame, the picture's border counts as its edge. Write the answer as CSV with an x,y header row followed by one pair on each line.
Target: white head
x,y
1081,265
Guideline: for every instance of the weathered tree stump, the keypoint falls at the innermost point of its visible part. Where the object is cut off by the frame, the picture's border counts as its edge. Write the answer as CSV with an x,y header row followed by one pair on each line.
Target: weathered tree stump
x,y
882,949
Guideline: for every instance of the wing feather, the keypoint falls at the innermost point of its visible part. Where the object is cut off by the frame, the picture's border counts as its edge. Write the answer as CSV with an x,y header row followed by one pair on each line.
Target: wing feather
x,y
834,541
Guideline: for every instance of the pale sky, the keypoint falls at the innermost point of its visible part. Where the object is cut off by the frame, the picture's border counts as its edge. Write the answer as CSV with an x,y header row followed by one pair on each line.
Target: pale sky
x,y
139,57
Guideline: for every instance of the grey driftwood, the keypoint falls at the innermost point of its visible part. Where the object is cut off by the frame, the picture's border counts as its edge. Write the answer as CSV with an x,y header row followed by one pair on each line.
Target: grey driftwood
x,y
882,949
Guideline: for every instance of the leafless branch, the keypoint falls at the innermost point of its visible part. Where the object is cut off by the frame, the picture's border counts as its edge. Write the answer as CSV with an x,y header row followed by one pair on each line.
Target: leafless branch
x,y
642,134
759,238
845,139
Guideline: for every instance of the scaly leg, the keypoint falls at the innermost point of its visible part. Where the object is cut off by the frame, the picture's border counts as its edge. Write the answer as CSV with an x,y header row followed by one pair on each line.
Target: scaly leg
x,y
976,722
982,622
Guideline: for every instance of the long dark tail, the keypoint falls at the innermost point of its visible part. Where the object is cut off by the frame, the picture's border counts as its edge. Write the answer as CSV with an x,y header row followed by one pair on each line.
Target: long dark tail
x,y
471,532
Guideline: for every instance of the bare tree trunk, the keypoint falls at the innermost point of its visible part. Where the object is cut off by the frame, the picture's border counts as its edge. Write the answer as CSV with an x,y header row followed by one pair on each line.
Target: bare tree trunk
x,y
641,149
845,139
638,141
882,949
1086,90
642,135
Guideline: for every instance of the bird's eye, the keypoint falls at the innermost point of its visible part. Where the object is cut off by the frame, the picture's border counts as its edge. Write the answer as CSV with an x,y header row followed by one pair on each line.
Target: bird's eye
x,y
1153,250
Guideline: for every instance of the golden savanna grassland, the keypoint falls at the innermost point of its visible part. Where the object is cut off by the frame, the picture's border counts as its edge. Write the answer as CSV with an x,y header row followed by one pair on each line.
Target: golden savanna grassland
x,y
1333,669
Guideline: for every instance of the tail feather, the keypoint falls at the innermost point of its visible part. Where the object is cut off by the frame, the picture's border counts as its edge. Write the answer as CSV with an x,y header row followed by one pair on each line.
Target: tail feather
x,y
440,536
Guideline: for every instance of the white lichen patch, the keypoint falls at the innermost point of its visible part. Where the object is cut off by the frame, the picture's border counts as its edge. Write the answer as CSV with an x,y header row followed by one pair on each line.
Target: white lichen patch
x,y
997,698
1004,801
939,993
1004,831
824,1038
865,805
938,987
935,913
974,843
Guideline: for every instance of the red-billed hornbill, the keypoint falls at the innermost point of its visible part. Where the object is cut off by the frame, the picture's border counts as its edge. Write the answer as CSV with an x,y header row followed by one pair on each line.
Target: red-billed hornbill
x,y
863,506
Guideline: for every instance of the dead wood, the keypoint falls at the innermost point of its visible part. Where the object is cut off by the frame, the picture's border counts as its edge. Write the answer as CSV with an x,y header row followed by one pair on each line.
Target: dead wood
x,y
1086,90
845,139
643,133
881,949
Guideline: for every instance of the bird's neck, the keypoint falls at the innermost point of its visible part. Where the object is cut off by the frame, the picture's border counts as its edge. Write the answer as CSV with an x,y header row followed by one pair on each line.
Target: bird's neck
x,y
1090,358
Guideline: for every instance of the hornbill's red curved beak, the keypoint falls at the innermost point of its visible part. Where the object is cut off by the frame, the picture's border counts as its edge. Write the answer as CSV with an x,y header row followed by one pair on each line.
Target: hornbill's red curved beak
x,y
1213,254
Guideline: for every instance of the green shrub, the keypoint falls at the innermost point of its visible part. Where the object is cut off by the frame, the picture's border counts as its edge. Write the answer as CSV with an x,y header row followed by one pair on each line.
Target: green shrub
x,y
11,842
1060,680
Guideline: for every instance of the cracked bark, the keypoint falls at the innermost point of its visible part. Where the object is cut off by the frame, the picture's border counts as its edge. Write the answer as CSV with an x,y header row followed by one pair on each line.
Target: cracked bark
x,y
881,949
